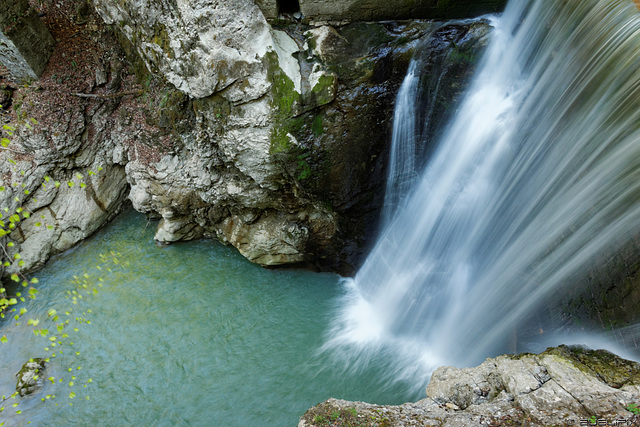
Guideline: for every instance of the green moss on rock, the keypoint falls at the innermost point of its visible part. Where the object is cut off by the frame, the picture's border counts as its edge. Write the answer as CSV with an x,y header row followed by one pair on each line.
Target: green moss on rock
x,y
285,101
324,91
161,38
611,369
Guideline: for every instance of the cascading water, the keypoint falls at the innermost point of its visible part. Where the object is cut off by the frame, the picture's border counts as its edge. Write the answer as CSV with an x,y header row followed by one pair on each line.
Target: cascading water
x,y
538,173
403,170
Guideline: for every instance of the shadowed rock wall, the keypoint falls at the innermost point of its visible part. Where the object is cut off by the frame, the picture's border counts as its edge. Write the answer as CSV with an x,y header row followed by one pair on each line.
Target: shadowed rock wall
x,y
377,10
25,43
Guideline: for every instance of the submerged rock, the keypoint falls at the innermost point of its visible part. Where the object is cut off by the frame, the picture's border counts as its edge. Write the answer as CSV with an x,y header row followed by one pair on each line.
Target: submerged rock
x,y
30,377
561,386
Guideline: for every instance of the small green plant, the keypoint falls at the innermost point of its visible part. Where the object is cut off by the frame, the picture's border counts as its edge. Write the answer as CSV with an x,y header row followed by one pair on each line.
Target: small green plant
x,y
325,415
379,420
58,329
316,126
633,408
319,419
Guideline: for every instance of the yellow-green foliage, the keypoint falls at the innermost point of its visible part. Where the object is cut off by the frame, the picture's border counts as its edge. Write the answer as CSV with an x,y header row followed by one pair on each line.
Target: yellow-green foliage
x,y
58,327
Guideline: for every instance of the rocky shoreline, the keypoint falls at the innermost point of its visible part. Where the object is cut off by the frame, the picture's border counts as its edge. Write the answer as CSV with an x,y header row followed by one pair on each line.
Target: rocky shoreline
x,y
560,386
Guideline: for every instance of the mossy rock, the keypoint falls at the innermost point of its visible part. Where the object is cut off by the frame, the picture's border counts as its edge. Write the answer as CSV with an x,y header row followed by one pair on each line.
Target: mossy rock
x,y
30,376
175,111
612,369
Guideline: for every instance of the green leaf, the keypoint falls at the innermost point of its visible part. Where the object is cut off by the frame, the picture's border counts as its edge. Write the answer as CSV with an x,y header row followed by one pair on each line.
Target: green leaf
x,y
3,339
15,277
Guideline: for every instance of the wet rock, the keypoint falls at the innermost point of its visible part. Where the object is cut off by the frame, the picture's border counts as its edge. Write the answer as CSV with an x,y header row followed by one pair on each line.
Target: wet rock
x,y
561,386
378,10
30,377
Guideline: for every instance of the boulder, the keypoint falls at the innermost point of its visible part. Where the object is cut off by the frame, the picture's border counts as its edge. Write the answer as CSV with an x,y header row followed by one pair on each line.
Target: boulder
x,y
30,376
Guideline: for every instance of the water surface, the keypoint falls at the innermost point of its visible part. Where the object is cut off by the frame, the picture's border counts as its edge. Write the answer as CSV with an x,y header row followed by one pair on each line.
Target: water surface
x,y
190,334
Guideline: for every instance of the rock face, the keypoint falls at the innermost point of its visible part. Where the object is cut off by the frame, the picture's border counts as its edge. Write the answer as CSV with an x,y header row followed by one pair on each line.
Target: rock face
x,y
271,127
561,386
67,176
608,296
25,42
271,138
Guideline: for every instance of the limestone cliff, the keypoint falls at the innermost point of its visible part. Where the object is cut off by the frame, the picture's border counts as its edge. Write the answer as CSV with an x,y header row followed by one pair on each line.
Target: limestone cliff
x,y
271,138
285,128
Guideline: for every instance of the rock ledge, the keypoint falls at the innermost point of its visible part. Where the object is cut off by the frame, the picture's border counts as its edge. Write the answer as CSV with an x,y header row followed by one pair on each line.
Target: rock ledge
x,y
561,386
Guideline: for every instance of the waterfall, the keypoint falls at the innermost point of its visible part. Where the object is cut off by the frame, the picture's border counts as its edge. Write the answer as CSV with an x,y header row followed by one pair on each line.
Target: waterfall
x,y
537,174
403,170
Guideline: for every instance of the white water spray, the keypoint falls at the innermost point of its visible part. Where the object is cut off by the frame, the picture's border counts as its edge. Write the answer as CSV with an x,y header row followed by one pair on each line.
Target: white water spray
x,y
538,173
